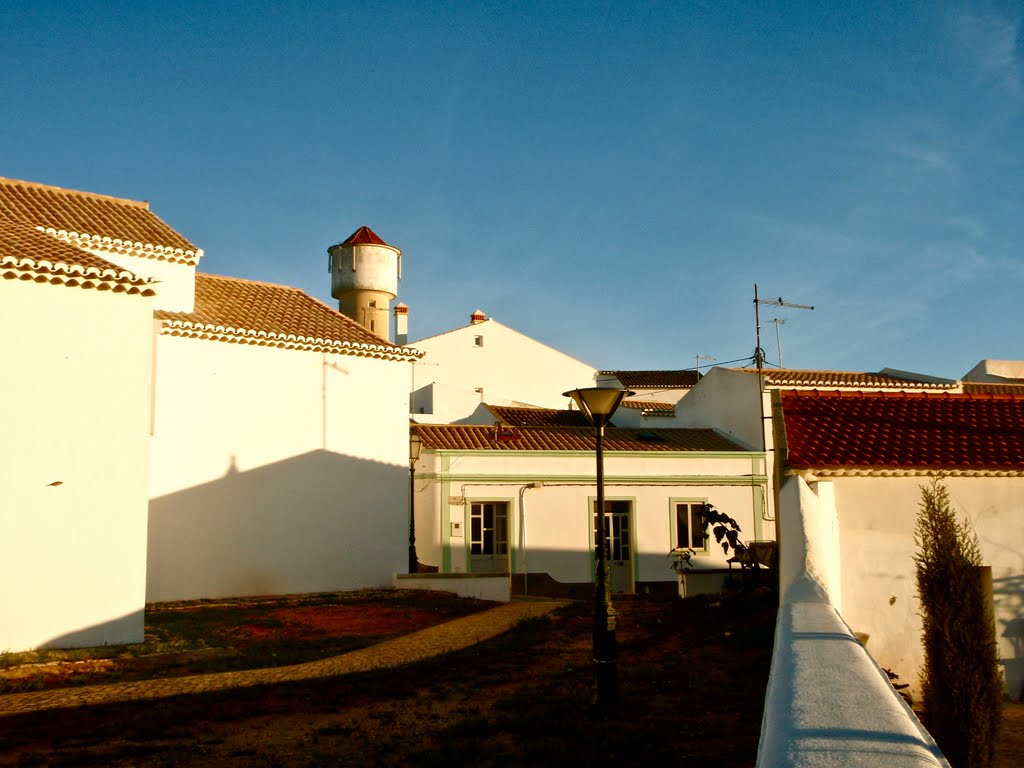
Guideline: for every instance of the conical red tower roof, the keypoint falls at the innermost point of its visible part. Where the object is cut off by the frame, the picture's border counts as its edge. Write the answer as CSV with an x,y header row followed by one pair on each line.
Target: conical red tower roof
x,y
364,236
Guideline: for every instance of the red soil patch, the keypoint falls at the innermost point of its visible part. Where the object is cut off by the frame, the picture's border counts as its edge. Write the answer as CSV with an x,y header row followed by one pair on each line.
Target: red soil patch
x,y
351,620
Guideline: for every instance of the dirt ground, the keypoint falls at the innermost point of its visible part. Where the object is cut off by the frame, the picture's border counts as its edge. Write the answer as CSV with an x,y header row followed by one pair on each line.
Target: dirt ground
x,y
199,636
692,677
1010,746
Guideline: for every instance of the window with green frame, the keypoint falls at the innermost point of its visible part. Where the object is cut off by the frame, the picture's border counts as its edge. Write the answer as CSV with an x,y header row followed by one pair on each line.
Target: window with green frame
x,y
691,528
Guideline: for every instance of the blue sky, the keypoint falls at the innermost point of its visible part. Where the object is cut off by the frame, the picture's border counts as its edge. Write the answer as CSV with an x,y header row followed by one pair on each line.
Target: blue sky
x,y
609,178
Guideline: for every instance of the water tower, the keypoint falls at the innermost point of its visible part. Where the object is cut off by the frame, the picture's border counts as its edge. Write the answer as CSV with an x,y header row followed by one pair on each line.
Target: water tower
x,y
364,279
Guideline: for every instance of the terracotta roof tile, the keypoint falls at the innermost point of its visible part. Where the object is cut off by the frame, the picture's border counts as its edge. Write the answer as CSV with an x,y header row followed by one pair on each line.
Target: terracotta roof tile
x,y
648,405
101,221
537,417
262,313
985,388
920,430
683,379
776,377
27,254
364,236
489,438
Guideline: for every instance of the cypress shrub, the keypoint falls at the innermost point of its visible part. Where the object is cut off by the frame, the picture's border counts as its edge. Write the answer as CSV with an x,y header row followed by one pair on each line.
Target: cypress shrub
x,y
962,689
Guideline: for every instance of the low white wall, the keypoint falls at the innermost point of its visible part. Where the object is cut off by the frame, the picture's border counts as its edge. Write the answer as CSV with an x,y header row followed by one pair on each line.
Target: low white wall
x,y
494,587
828,703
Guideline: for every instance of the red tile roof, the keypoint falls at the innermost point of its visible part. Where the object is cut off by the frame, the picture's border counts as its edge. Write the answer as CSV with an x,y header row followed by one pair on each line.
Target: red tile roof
x,y
28,254
537,417
648,405
903,431
364,236
489,438
683,379
785,377
246,311
94,221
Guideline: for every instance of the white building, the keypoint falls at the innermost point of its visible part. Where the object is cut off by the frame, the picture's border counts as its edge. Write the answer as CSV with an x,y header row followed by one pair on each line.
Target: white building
x,y
487,362
77,346
520,500
655,394
854,465
242,438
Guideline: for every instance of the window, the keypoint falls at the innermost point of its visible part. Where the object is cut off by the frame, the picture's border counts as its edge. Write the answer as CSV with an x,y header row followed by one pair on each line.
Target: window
x,y
489,528
691,529
617,534
478,341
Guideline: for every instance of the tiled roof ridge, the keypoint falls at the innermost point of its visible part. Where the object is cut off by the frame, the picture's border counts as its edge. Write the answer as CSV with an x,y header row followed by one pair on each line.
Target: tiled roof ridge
x,y
648,405
587,429
95,221
28,255
180,324
612,372
848,394
59,272
53,188
871,471
482,437
120,245
660,378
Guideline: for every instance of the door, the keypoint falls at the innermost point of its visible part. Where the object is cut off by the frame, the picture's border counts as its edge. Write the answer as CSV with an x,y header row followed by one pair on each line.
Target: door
x,y
488,537
618,543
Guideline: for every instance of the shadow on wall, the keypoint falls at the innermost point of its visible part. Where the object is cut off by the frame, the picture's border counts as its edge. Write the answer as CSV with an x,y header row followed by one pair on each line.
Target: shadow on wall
x,y
316,522
1008,595
126,629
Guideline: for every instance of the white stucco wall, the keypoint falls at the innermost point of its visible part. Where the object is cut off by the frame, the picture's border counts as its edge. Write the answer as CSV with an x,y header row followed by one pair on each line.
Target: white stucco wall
x,y
275,471
726,400
177,282
876,524
828,703
509,368
73,453
550,524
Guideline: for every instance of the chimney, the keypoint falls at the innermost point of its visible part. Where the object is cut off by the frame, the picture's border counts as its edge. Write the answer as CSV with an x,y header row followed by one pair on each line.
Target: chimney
x,y
401,324
477,317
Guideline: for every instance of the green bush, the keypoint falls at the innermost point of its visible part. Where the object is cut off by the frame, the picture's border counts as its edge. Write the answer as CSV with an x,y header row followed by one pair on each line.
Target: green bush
x,y
962,688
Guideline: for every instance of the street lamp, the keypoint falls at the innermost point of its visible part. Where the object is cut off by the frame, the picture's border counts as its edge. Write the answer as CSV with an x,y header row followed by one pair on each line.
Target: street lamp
x,y
598,404
415,444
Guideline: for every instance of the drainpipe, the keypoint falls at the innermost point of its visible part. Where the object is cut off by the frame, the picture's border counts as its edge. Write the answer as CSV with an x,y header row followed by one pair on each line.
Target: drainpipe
x,y
522,536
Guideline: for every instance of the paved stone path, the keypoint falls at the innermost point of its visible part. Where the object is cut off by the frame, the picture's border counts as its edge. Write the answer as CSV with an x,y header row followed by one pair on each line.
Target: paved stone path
x,y
433,641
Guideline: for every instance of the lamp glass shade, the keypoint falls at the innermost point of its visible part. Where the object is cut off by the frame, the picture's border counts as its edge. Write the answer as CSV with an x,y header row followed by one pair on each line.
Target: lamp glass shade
x,y
415,444
598,403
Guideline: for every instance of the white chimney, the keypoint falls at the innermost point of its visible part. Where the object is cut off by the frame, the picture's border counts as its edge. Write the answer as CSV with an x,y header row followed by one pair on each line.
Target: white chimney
x,y
401,324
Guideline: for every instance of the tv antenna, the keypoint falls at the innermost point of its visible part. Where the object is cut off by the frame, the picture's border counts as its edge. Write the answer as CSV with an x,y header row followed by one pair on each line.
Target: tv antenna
x,y
704,357
759,353
778,339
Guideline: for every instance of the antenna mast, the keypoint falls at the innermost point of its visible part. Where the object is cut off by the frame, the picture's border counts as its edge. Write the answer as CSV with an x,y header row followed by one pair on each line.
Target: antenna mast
x,y
703,357
758,352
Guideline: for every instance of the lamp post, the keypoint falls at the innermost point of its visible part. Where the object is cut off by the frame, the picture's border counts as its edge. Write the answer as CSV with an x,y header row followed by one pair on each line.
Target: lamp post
x,y
598,404
415,444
